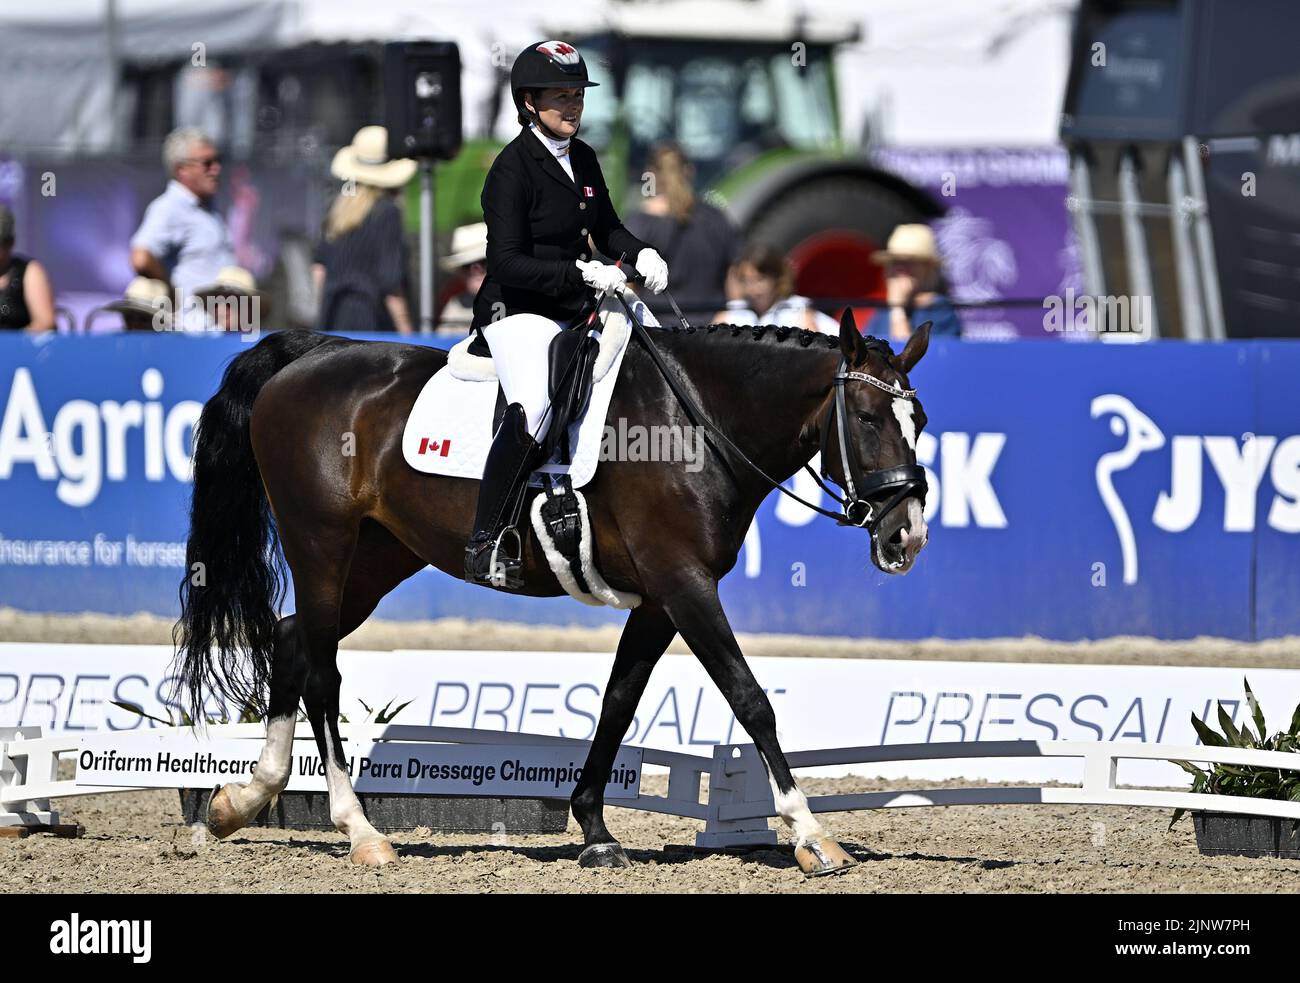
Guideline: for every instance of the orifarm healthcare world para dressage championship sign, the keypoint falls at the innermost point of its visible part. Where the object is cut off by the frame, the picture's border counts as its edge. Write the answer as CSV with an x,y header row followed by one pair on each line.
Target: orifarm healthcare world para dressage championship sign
x,y
170,760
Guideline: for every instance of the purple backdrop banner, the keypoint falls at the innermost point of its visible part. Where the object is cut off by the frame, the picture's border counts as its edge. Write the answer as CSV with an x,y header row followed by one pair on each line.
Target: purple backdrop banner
x,y
1006,234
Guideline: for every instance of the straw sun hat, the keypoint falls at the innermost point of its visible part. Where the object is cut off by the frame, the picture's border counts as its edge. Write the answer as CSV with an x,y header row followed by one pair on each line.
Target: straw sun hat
x,y
142,296
230,280
365,160
909,242
468,245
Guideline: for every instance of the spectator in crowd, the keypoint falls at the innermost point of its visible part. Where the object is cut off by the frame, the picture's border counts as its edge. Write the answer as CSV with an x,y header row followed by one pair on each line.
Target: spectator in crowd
x,y
183,239
360,263
26,297
697,241
232,300
760,290
467,261
912,287
145,306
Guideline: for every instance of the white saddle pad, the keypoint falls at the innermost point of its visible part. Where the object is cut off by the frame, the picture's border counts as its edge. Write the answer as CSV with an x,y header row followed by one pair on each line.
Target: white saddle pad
x,y
449,430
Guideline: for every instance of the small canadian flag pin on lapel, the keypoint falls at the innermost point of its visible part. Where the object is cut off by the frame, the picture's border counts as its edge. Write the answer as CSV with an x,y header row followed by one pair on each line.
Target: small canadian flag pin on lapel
x,y
588,191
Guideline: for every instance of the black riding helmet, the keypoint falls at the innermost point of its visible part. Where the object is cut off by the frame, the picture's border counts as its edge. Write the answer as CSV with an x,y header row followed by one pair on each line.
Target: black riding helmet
x,y
547,65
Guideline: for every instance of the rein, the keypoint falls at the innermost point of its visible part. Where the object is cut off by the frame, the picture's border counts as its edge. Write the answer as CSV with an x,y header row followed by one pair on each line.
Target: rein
x,y
855,509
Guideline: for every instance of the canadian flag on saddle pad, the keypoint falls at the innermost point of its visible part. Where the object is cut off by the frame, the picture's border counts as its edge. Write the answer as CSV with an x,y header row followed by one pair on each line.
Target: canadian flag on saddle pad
x,y
449,429
439,447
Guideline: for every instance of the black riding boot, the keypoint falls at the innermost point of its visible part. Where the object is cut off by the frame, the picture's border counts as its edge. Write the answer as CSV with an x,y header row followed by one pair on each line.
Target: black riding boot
x,y
510,460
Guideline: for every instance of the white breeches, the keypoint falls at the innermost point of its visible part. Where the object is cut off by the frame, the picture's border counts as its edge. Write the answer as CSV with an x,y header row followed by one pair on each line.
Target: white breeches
x,y
519,346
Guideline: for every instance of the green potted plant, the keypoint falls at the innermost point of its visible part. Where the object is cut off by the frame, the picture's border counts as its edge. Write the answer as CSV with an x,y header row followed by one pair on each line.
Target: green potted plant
x,y
1239,835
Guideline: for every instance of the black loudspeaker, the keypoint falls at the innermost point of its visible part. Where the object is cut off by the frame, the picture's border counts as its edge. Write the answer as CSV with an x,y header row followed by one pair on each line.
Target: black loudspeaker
x,y
422,99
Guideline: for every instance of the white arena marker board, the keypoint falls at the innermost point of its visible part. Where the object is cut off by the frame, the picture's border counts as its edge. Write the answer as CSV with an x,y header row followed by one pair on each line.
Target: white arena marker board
x,y
820,703
387,768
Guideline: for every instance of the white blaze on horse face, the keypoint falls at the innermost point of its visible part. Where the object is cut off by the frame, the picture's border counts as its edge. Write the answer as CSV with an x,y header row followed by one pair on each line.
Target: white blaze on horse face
x,y
903,413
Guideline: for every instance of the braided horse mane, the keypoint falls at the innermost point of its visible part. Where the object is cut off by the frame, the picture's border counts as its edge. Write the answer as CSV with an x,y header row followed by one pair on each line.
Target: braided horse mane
x,y
775,334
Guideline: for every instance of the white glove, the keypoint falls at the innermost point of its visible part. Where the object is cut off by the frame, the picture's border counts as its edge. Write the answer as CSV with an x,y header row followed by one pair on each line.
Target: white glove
x,y
601,277
652,266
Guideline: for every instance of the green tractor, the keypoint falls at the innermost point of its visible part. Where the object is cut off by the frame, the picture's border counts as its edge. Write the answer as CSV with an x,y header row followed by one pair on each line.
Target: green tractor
x,y
754,106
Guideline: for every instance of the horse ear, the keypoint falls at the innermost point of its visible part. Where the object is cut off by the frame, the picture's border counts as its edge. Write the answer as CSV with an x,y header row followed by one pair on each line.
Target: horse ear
x,y
915,348
851,344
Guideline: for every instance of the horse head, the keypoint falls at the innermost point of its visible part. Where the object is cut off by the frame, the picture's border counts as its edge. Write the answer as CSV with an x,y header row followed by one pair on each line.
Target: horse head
x,y
876,461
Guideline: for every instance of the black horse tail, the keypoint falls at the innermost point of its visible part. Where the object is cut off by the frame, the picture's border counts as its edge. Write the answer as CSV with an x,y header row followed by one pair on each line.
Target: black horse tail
x,y
234,577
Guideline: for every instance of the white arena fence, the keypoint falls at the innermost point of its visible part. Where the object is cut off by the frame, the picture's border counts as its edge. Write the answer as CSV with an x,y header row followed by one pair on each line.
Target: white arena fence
x,y
737,803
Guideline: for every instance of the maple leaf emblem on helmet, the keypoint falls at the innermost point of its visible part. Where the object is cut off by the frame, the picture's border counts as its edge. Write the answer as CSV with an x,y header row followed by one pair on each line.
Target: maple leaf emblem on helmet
x,y
560,52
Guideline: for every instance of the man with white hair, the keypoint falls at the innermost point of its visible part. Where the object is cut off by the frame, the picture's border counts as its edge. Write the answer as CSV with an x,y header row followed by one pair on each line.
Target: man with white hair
x,y
183,238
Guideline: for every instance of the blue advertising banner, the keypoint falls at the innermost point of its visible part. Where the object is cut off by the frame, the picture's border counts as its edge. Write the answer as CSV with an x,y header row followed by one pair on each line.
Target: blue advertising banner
x,y
1077,491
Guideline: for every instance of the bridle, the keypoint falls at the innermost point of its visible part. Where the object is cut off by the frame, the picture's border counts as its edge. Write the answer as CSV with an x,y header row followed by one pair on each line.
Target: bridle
x,y
855,507
898,482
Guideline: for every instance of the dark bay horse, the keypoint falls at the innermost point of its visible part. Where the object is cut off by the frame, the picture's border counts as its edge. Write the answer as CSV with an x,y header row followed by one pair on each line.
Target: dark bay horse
x,y
302,445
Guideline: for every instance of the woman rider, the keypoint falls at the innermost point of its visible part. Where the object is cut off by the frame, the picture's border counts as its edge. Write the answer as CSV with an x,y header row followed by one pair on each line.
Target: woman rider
x,y
543,197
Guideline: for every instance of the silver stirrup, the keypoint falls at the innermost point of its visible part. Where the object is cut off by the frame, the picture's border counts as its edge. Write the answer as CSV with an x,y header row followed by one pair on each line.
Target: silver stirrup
x,y
499,568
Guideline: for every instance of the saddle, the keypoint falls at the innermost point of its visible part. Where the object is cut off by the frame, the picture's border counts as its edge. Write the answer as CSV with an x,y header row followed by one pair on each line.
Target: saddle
x,y
570,376
572,366
451,425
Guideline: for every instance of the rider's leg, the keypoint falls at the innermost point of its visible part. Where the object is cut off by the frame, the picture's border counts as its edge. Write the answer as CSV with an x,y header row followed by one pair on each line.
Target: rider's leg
x,y
519,348
511,457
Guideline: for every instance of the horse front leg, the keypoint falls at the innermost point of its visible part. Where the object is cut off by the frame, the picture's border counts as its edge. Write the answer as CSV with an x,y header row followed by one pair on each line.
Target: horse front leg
x,y
646,635
697,613
235,805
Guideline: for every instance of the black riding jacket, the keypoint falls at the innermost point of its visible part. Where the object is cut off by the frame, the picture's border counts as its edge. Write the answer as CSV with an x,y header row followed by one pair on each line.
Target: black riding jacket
x,y
538,221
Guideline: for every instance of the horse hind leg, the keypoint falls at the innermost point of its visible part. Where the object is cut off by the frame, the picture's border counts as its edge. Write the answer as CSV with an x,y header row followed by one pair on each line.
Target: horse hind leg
x,y
320,549
699,617
235,805
367,846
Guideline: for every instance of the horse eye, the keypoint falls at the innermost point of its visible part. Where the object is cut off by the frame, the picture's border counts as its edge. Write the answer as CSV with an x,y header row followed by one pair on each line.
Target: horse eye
x,y
868,420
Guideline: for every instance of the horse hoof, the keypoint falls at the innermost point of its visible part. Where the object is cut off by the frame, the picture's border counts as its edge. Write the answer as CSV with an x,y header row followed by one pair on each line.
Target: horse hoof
x,y
374,853
603,855
822,856
223,817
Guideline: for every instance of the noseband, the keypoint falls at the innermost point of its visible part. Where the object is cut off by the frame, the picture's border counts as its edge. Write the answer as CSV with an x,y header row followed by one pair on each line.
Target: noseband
x,y
898,482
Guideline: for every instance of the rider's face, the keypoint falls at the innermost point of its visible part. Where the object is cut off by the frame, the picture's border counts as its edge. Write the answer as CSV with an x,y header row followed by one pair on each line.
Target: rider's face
x,y
560,109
